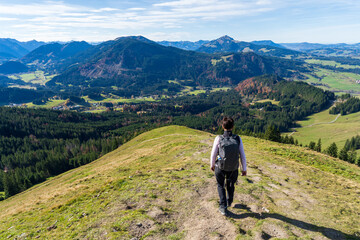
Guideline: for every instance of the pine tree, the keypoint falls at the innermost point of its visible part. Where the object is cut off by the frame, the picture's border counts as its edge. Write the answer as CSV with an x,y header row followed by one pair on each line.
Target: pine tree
x,y
312,145
272,134
318,146
332,150
352,157
343,154
10,187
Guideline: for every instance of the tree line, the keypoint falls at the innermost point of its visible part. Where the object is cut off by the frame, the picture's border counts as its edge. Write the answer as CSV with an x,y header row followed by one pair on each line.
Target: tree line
x,y
350,105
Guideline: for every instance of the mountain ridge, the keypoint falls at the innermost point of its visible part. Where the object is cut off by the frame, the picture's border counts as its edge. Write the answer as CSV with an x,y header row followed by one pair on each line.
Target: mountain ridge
x,y
11,49
154,186
54,55
226,44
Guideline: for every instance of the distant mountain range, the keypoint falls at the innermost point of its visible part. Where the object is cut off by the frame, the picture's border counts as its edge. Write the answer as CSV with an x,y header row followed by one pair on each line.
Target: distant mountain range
x,y
186,45
227,44
14,49
135,64
267,47
305,46
339,49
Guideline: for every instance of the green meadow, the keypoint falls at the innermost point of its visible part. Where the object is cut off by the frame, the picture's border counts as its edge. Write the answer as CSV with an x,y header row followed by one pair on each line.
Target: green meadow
x,y
340,82
320,125
37,77
331,63
267,100
48,104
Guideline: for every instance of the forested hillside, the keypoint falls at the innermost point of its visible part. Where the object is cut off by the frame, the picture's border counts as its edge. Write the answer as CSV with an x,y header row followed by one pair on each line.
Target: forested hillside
x,y
19,95
36,144
12,67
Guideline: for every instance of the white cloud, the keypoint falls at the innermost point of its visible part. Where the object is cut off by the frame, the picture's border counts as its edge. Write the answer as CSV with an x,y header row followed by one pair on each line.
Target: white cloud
x,y
136,9
7,19
184,3
48,16
45,9
211,9
104,10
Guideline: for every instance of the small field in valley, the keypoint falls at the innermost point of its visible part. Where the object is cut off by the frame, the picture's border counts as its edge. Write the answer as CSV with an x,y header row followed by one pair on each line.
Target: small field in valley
x,y
274,102
331,63
330,128
338,82
48,104
37,77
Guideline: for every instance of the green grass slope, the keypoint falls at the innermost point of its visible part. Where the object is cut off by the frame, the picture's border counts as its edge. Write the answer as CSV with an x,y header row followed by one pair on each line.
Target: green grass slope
x,y
159,186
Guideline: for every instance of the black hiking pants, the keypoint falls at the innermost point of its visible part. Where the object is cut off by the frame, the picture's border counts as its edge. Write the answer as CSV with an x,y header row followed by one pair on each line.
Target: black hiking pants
x,y
231,178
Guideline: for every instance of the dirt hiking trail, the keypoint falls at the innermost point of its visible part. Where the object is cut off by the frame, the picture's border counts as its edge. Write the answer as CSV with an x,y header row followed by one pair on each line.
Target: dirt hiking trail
x,y
273,201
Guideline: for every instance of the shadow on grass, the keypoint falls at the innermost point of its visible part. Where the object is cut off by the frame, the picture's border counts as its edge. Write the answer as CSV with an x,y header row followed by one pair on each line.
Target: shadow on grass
x,y
327,232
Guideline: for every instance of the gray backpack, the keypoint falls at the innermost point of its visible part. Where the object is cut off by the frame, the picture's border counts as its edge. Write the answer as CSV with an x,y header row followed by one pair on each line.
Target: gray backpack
x,y
229,153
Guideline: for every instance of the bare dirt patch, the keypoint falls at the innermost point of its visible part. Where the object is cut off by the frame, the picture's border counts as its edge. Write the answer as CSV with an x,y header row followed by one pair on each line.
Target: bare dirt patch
x,y
204,220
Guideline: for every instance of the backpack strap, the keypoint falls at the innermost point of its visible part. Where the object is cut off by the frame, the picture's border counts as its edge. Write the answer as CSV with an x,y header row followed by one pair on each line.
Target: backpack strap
x,y
221,137
237,137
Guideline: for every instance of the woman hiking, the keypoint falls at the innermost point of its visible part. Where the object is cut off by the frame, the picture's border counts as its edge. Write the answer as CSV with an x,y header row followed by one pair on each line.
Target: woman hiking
x,y
226,152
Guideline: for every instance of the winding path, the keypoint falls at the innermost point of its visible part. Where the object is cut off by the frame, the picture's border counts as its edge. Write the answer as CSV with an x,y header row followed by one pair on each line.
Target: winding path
x,y
294,129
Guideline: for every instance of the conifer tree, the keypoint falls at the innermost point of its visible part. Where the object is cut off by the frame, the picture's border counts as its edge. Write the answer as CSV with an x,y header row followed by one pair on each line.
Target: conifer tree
x,y
332,150
312,145
343,154
318,146
352,156
272,134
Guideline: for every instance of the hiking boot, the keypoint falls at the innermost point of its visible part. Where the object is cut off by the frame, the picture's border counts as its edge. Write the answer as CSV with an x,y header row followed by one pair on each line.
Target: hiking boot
x,y
229,203
222,210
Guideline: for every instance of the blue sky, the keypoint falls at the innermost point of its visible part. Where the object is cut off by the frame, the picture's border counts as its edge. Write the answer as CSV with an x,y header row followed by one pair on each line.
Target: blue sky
x,y
324,21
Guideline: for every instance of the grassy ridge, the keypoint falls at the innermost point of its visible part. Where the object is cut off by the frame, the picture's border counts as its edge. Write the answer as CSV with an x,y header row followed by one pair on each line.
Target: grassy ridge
x,y
159,186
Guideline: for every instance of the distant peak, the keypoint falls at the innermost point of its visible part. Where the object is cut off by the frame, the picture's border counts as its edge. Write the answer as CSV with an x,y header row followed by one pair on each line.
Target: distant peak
x,y
139,38
226,37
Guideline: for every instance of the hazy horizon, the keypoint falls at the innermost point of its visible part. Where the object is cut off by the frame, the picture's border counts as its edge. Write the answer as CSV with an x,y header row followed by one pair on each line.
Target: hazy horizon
x,y
98,42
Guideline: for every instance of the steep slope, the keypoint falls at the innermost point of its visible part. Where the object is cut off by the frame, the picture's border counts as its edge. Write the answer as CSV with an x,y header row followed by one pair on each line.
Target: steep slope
x,y
54,55
159,186
227,44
